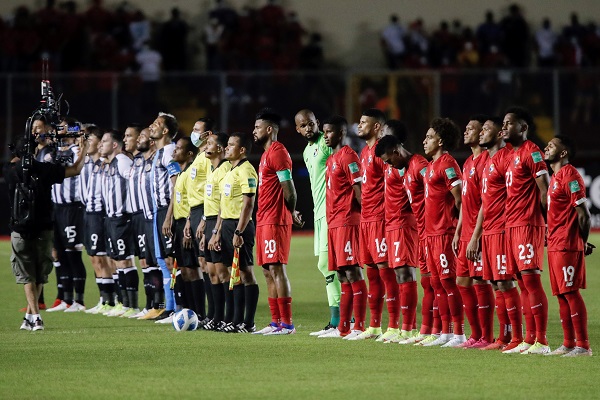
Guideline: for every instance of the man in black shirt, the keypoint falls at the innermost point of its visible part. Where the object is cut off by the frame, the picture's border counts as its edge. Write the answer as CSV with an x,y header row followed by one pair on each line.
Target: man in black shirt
x,y
31,257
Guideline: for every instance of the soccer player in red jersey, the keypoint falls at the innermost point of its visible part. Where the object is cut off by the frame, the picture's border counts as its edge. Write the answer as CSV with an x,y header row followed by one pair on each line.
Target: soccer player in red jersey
x,y
526,189
274,217
413,167
493,249
568,231
442,202
373,251
343,197
477,294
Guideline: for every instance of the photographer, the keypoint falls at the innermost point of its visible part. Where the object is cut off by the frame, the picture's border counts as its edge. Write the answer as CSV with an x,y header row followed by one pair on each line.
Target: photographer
x,y
32,241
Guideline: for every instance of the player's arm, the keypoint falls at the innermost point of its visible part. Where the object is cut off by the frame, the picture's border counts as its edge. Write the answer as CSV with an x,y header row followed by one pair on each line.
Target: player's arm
x,y
289,195
356,187
473,246
245,215
457,194
166,228
215,240
584,220
75,169
542,182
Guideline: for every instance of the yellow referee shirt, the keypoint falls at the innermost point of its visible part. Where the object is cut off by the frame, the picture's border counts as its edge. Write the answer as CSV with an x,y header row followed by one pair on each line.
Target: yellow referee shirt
x,y
197,179
181,207
212,190
240,180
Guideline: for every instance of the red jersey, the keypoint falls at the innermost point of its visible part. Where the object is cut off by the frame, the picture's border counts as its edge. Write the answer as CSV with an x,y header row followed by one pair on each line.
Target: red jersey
x,y
493,191
522,193
275,167
566,191
372,185
441,177
414,183
396,204
471,193
342,172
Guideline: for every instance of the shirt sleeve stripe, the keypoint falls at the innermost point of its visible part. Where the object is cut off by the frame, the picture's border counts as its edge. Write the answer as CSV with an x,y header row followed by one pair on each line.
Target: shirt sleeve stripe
x,y
456,182
542,172
580,201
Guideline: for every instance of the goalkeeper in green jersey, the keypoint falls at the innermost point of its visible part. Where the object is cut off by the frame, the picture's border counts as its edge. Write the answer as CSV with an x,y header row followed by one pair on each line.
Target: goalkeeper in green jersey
x,y
315,156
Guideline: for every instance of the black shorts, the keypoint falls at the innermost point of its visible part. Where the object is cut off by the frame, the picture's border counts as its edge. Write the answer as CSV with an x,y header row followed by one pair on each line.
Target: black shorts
x,y
138,230
118,237
165,244
196,214
185,257
94,234
211,255
68,225
149,237
228,228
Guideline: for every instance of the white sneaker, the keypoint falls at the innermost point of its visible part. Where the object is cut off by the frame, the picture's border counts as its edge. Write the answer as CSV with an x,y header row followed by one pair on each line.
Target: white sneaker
x,y
61,307
140,314
369,333
94,310
579,352
75,307
443,339
168,320
353,333
26,325
457,340
414,339
267,329
560,351
519,349
327,329
282,330
335,333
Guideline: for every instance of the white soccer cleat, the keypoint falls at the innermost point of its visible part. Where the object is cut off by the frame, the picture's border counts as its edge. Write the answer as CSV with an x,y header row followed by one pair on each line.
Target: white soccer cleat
x,y
353,333
579,352
75,307
327,329
94,310
560,351
443,339
413,339
140,314
369,333
267,329
283,329
389,336
335,333
521,347
117,311
61,307
167,320
456,341
537,348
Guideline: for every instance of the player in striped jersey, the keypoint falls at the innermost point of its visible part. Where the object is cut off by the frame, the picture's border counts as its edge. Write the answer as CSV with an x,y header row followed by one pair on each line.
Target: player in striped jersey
x,y
117,222
164,174
68,213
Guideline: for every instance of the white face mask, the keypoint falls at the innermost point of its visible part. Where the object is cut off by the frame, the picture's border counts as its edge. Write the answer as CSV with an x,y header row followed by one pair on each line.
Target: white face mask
x,y
195,138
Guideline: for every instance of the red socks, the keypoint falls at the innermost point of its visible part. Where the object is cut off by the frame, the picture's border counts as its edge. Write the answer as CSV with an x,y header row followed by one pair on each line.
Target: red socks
x,y
346,301
485,310
469,298
515,314
392,296
359,304
376,293
285,309
408,304
566,322
529,319
579,318
505,335
455,305
442,304
274,308
539,305
427,305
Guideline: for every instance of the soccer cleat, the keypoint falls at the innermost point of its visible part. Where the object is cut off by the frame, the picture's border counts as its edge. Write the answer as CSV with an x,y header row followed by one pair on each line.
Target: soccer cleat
x,y
130,313
38,325
165,318
140,314
56,302
497,345
467,345
353,333
41,307
94,309
335,333
537,348
283,329
480,344
516,347
226,327
560,351
389,336
62,306
75,307
401,337
26,325
117,311
243,328
413,339
327,329
210,325
441,340
579,352
267,329
116,308
456,341
369,333
427,339
152,314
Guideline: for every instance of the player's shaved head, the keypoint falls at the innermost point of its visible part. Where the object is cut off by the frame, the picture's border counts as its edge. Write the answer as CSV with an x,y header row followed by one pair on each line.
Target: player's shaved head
x,y
307,125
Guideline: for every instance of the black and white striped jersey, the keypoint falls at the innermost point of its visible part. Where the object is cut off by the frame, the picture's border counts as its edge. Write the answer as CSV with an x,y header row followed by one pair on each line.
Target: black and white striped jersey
x,y
68,191
146,188
135,183
84,178
94,202
161,180
114,185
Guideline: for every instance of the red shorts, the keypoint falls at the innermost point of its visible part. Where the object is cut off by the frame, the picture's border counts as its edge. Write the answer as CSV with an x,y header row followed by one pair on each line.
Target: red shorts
x,y
440,256
525,248
273,244
374,247
342,247
567,271
403,244
466,267
493,256
423,256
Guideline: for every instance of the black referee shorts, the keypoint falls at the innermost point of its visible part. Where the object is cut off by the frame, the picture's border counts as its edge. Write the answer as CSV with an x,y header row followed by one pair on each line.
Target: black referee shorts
x,y
227,231
185,257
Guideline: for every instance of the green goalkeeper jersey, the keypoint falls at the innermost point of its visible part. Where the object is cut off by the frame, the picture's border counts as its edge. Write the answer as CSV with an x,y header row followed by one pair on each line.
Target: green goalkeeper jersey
x,y
315,157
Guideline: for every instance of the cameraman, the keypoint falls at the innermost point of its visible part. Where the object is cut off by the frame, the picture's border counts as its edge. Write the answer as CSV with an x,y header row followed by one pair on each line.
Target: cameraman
x,y
32,243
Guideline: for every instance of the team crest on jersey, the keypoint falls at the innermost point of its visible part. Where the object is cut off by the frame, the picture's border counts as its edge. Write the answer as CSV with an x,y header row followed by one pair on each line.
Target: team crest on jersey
x,y
148,167
430,174
554,186
333,167
87,159
491,168
138,162
95,169
409,179
370,159
112,170
517,160
193,173
316,152
472,172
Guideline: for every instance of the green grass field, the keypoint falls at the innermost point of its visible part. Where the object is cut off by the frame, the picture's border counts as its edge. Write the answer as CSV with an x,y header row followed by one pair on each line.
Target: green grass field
x,y
91,356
